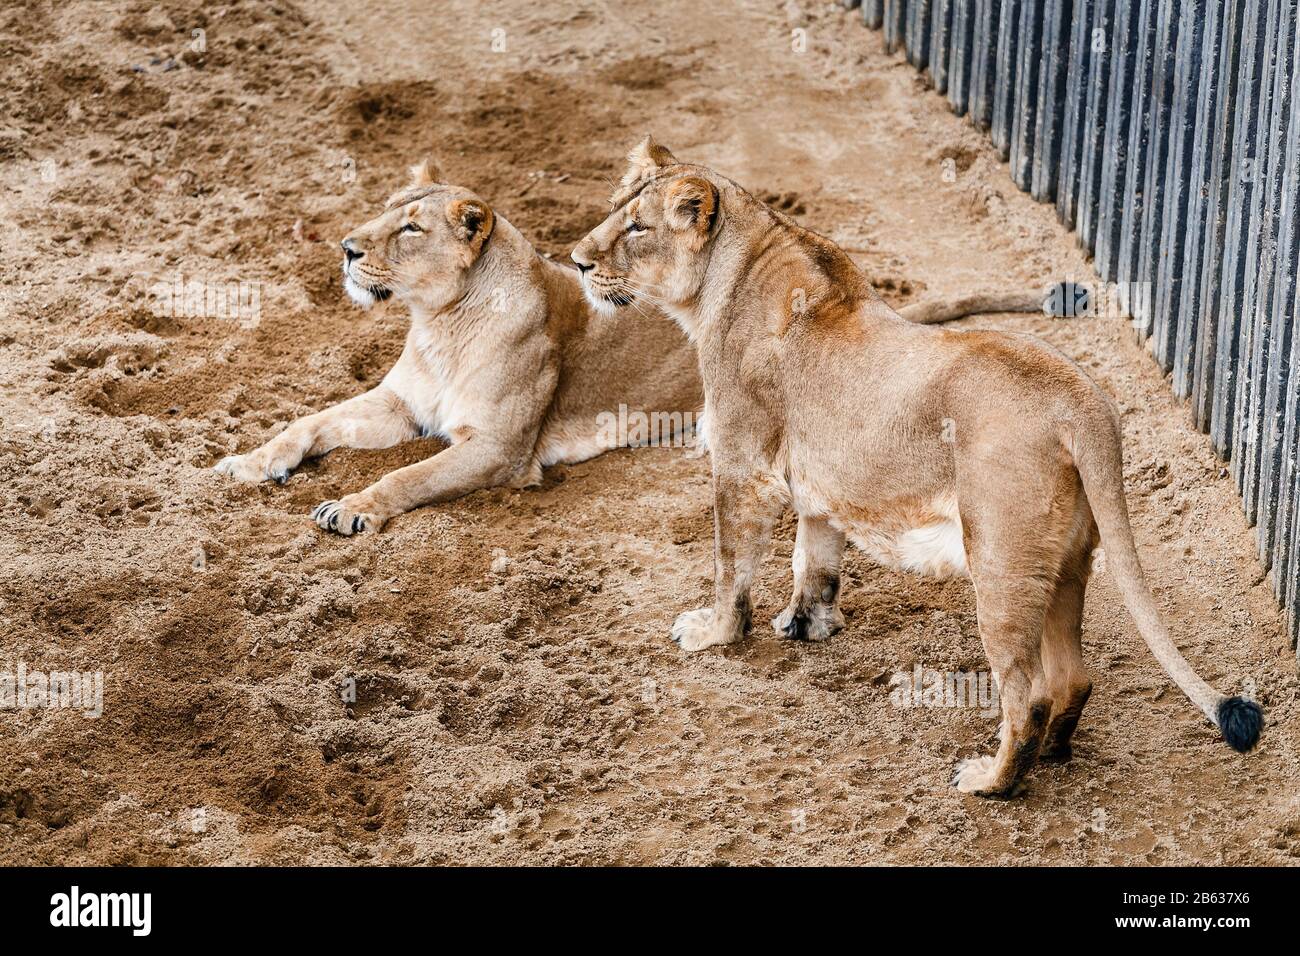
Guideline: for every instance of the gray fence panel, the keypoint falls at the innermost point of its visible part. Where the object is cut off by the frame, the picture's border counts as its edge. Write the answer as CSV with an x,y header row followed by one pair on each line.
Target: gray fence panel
x,y
1167,132
895,17
1259,251
1123,42
1026,92
959,57
1004,90
1136,161
1260,420
940,34
1076,94
1150,248
1286,545
1213,148
1094,127
1278,468
917,35
1177,227
983,63
1291,598
1240,186
1049,111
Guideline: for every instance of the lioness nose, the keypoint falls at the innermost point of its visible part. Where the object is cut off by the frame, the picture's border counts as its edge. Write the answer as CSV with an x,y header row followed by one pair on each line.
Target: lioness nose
x,y
578,256
350,250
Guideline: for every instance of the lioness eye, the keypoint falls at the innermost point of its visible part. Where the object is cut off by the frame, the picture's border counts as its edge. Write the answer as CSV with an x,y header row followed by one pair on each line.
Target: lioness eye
x,y
634,226
412,227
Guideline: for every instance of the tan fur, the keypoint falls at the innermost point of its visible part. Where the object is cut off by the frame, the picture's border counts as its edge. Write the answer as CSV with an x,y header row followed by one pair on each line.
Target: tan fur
x,y
505,359
980,453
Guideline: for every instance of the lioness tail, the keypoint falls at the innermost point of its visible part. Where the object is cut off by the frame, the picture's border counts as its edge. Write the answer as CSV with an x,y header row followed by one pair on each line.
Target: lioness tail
x,y
1058,300
1095,448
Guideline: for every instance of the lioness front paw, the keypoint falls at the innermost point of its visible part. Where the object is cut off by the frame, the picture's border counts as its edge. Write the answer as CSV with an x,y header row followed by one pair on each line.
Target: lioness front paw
x,y
347,516
976,776
694,630
255,467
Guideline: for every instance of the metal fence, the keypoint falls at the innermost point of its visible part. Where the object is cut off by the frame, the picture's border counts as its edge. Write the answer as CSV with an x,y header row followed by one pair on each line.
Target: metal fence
x,y
1167,136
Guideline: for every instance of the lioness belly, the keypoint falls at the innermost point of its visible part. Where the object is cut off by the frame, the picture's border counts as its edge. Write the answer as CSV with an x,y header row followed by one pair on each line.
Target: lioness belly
x,y
569,442
924,537
577,439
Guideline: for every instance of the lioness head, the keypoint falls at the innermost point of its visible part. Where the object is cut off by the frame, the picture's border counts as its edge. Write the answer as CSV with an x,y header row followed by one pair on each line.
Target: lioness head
x,y
421,247
654,244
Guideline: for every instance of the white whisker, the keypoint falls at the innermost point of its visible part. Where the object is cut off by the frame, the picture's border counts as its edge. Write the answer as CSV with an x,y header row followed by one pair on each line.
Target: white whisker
x,y
642,297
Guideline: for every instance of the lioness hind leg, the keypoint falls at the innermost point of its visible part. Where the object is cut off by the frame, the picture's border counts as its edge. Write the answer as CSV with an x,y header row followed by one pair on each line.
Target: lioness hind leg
x,y
1010,615
1067,677
813,613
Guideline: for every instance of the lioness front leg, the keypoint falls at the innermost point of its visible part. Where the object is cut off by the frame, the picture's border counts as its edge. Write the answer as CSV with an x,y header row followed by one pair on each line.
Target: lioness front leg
x,y
813,613
467,466
375,419
743,518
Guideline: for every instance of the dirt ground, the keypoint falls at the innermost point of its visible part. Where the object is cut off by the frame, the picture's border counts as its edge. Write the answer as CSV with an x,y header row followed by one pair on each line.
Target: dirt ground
x,y
518,698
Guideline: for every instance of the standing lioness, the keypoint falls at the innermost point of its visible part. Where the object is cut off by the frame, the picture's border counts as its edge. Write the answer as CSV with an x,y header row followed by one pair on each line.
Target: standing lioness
x,y
977,453
505,359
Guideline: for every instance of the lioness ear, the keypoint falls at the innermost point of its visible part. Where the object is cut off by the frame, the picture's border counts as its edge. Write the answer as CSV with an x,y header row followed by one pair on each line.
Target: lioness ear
x,y
689,205
426,173
645,158
471,220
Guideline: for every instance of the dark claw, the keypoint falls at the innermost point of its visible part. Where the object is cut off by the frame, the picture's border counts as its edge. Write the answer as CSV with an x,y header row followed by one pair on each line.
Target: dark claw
x,y
281,477
334,520
797,629
1057,755
357,524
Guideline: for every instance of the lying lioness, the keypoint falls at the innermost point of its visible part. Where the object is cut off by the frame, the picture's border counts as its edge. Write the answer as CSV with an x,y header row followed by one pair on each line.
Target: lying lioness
x,y
975,453
505,360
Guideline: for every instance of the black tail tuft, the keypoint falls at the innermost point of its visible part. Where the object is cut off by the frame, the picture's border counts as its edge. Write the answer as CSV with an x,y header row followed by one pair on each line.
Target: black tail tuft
x,y
1240,722
1066,300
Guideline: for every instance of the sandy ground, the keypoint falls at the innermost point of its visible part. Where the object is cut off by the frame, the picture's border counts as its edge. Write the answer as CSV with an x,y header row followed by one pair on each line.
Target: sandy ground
x,y
535,713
